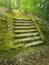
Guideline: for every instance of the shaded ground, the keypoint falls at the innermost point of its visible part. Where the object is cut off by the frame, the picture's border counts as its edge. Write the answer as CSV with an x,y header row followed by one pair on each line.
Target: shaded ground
x,y
32,56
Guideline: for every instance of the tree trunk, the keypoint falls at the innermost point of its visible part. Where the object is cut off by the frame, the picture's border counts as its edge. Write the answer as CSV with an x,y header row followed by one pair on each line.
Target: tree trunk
x,y
18,5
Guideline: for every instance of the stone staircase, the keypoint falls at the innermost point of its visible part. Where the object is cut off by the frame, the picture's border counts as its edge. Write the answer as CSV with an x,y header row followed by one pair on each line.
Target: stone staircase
x,y
26,32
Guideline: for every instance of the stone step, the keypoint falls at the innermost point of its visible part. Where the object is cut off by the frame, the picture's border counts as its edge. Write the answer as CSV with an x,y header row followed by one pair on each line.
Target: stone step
x,y
27,34
32,30
20,37
22,24
22,21
27,39
34,43
24,27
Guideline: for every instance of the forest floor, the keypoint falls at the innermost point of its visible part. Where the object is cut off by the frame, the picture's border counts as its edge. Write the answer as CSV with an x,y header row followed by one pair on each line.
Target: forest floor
x,y
37,55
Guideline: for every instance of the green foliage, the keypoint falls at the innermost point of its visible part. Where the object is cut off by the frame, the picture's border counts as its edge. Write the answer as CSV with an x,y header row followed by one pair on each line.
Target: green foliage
x,y
36,7
6,3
